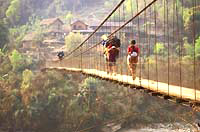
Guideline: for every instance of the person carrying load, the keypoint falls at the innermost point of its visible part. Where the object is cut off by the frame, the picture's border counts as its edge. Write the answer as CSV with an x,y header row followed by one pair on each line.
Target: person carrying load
x,y
61,55
132,58
113,53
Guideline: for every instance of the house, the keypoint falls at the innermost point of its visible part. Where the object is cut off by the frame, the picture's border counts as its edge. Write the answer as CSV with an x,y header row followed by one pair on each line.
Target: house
x,y
79,25
53,29
28,42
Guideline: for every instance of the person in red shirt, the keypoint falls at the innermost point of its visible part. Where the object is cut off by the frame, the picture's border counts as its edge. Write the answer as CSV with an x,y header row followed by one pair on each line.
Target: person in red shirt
x,y
132,58
113,52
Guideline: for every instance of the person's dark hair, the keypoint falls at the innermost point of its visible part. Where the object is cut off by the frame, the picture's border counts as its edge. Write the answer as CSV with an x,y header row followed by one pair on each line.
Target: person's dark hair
x,y
133,42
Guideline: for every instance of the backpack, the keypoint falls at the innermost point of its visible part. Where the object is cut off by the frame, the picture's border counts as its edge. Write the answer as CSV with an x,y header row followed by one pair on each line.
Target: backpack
x,y
114,42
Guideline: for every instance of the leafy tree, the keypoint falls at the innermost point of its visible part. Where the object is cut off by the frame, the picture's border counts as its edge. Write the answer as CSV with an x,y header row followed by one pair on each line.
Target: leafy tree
x,y
16,60
197,46
159,48
189,48
26,80
89,87
73,40
12,12
4,6
69,17
3,34
191,23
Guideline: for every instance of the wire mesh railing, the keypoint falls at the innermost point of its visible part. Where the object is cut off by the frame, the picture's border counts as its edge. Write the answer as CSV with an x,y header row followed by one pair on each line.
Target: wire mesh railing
x,y
167,33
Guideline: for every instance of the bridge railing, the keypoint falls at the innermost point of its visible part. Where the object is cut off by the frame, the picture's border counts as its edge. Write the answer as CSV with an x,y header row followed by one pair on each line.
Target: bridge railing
x,y
167,33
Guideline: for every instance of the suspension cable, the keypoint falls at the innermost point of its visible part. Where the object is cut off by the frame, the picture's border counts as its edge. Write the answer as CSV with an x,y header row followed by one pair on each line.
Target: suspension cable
x,y
118,5
145,8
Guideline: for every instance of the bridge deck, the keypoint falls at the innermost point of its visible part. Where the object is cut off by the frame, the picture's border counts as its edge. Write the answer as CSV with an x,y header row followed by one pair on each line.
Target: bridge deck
x,y
163,88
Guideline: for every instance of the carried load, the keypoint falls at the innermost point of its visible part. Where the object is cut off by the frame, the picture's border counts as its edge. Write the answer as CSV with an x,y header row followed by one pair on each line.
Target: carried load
x,y
113,41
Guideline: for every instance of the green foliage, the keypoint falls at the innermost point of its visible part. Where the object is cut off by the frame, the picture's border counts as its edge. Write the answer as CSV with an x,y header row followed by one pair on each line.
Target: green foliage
x,y
130,6
159,49
16,59
197,46
3,34
27,76
69,17
189,49
17,34
73,40
191,23
12,12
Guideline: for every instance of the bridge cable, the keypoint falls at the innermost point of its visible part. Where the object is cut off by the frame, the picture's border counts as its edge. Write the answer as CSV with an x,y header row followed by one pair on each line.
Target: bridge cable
x,y
194,53
120,27
118,5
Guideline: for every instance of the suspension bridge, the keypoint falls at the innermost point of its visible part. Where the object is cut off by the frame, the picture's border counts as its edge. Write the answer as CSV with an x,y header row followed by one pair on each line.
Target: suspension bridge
x,y
164,68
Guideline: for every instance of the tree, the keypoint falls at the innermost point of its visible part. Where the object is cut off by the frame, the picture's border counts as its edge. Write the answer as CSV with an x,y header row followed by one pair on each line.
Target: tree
x,y
16,60
3,34
4,6
69,17
191,23
12,12
197,46
159,48
73,40
27,76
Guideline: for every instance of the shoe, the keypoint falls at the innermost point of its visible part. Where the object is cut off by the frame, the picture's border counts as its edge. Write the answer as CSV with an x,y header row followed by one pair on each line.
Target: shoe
x,y
134,77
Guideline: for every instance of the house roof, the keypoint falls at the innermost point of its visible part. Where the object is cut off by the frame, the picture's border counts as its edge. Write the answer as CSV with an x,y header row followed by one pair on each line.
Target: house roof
x,y
50,21
73,22
29,37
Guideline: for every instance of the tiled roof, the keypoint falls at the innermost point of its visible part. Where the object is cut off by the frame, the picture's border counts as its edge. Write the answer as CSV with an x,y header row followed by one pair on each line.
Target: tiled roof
x,y
49,21
78,21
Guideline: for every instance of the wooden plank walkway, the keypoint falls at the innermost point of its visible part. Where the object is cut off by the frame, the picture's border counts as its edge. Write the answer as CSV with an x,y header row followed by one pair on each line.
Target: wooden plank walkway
x,y
163,88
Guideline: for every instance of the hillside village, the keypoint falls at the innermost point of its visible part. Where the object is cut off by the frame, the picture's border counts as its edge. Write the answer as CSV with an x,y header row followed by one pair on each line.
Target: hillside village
x,y
54,32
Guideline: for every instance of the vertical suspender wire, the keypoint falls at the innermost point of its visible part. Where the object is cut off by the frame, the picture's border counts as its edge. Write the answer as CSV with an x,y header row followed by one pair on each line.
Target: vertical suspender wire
x,y
104,55
164,26
122,49
131,34
119,19
124,36
100,52
81,58
92,52
168,44
148,41
194,36
88,54
179,47
174,33
115,26
125,31
181,43
97,53
138,28
90,43
145,35
155,46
